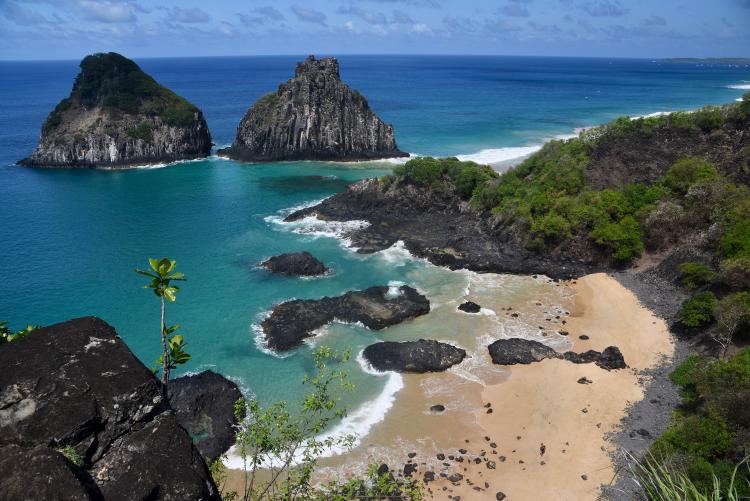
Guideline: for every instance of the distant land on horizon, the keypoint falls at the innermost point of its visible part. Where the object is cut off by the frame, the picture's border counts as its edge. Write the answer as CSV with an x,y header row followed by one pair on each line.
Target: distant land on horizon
x,y
711,60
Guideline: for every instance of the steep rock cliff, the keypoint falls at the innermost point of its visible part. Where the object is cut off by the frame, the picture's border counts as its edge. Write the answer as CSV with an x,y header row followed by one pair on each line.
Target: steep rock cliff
x,y
118,116
313,116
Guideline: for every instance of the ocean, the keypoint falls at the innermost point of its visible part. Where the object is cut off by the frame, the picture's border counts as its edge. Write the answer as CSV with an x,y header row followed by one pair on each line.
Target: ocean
x,y
70,239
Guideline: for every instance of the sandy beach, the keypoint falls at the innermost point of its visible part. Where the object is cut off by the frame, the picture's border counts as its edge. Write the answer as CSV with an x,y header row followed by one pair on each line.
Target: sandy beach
x,y
545,436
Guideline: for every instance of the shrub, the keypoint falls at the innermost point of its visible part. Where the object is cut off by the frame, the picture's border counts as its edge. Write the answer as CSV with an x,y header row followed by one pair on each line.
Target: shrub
x,y
425,171
693,275
622,239
697,311
735,242
142,131
709,117
688,171
704,436
735,272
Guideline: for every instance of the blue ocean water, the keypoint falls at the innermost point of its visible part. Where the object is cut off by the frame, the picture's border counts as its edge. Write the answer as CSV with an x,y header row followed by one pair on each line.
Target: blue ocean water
x,y
69,240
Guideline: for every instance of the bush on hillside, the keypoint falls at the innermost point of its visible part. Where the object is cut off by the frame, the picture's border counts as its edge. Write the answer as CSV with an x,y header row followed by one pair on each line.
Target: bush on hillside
x,y
688,171
694,275
697,311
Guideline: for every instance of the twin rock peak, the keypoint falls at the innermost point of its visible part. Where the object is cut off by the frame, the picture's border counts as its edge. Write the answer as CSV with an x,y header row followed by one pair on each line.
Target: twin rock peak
x,y
118,116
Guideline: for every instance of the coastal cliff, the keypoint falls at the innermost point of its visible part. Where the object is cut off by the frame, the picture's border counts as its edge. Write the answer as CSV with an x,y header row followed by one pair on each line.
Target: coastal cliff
x,y
313,116
118,116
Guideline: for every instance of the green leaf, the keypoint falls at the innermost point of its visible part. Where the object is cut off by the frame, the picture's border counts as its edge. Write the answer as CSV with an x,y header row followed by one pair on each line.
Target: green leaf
x,y
154,263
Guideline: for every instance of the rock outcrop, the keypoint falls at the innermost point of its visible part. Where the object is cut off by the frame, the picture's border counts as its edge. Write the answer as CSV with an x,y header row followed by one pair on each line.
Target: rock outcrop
x,y
79,407
524,351
376,308
413,356
313,116
204,406
117,116
297,264
469,307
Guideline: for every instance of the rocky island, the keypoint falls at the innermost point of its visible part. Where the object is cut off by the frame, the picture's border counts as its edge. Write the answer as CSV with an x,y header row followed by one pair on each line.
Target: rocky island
x,y
295,264
118,116
313,116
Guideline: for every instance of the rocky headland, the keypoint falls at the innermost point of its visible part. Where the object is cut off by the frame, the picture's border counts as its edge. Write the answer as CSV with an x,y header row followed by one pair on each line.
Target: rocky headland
x,y
376,308
418,356
82,418
313,116
117,116
296,264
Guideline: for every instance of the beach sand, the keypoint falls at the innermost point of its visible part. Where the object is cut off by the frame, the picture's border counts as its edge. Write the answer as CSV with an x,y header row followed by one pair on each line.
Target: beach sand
x,y
535,408
542,407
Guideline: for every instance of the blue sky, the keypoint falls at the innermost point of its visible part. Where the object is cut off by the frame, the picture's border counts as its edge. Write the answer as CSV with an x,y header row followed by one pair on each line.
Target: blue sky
x,y
70,29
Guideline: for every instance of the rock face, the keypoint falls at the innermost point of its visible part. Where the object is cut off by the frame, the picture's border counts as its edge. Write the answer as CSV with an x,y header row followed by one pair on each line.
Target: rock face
x,y
204,406
295,264
117,116
376,308
77,385
523,351
313,116
413,356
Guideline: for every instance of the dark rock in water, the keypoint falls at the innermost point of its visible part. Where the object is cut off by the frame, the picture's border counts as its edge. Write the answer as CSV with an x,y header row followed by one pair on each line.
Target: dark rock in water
x,y
313,116
519,351
437,408
470,307
204,406
295,264
77,384
376,308
117,116
524,351
38,473
413,356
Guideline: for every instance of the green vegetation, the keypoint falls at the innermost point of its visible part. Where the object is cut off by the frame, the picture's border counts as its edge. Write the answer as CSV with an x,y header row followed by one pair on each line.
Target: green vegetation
x,y
687,172
161,275
7,335
698,311
732,317
279,448
694,275
71,455
116,83
436,173
710,434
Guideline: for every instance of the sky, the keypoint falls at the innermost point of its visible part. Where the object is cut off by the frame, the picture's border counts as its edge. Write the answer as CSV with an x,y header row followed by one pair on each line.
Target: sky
x,y
70,29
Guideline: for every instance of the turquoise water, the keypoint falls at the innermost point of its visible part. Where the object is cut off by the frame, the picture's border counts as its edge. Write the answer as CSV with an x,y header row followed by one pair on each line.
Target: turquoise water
x,y
69,240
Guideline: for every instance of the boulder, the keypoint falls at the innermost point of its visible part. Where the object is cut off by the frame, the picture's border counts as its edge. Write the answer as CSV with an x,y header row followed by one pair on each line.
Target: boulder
x,y
204,406
118,116
524,351
295,264
77,385
413,356
376,308
313,116
470,307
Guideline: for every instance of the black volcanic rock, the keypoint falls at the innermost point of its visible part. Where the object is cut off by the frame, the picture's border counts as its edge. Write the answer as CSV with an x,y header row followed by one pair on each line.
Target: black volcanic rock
x,y
523,351
376,308
413,356
118,116
76,384
295,264
313,116
470,307
204,406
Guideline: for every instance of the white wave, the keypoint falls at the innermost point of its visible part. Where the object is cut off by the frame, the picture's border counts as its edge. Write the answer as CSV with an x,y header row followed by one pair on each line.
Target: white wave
x,y
260,337
739,99
497,155
396,255
357,423
742,86
313,227
394,289
651,115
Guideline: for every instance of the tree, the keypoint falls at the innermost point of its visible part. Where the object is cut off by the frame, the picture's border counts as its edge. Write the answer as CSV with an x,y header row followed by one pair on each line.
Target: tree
x,y
732,313
162,275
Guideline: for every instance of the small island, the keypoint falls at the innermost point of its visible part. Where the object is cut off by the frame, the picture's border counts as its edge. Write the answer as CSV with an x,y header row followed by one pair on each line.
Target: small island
x,y
313,116
118,116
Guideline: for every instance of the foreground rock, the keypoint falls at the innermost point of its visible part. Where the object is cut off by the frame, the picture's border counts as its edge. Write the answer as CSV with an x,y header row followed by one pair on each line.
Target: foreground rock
x,y
204,406
413,356
469,307
523,351
77,385
297,264
118,116
313,116
376,308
